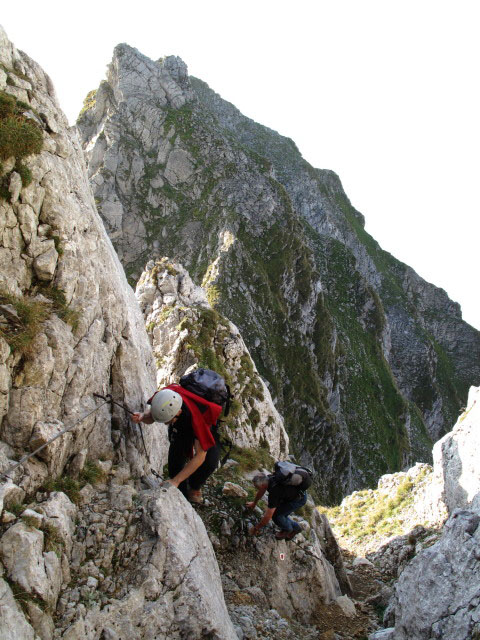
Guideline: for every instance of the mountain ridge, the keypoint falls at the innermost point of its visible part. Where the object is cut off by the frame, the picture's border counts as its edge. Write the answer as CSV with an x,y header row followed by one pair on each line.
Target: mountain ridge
x,y
355,346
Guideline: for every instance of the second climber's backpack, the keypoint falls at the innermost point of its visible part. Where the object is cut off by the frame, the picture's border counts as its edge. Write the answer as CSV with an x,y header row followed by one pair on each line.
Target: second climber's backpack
x,y
291,474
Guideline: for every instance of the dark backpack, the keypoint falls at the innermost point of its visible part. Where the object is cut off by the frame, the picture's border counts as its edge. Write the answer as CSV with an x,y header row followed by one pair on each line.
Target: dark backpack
x,y
291,474
209,385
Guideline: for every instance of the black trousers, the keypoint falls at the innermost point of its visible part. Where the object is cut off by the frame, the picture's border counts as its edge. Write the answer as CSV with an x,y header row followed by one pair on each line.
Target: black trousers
x,y
178,458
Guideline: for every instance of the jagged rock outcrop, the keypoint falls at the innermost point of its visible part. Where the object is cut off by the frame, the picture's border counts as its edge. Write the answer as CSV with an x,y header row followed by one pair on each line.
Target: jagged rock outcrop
x,y
124,562
187,333
157,572
367,362
456,465
447,573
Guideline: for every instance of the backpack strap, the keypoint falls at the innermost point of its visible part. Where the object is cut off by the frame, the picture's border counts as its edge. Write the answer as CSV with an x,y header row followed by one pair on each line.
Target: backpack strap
x,y
222,441
226,409
228,442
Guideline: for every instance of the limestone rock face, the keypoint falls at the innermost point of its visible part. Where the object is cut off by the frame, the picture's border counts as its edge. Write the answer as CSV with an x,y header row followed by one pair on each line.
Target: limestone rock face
x,y
292,596
117,563
157,570
364,359
186,332
14,624
126,562
456,466
446,574
59,515
331,550
35,571
56,259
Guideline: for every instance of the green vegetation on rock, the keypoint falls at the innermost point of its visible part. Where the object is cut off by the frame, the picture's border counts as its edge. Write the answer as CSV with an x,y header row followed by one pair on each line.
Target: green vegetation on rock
x,y
30,312
90,474
89,102
369,512
20,136
60,305
252,459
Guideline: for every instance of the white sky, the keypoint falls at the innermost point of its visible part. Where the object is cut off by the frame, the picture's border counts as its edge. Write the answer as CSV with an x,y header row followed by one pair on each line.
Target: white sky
x,y
383,92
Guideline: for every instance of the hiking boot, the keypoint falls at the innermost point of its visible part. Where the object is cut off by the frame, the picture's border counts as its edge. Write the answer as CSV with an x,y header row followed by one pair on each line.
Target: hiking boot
x,y
292,534
195,495
282,535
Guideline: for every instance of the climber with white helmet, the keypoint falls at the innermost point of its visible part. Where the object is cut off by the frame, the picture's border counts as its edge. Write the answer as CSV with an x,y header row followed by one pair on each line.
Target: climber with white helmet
x,y
193,453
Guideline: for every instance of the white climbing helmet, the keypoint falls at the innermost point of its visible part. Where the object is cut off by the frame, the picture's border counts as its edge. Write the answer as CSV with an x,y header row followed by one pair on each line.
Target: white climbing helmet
x,y
165,405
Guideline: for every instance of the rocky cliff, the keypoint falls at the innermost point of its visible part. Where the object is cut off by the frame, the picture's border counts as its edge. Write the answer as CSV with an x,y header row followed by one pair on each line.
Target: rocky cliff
x,y
91,544
94,562
368,363
71,326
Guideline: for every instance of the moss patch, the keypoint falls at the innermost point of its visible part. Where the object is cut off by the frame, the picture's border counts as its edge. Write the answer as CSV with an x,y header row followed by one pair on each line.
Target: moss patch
x,y
32,314
19,135
251,459
91,474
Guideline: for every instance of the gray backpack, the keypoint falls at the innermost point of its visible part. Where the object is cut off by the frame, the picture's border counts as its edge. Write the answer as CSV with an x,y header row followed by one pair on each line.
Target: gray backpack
x,y
291,474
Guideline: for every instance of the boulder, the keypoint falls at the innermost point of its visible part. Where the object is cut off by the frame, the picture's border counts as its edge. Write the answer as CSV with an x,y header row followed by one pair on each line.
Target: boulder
x,y
59,515
13,623
121,496
383,634
42,622
234,490
10,494
361,562
347,606
45,265
35,571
